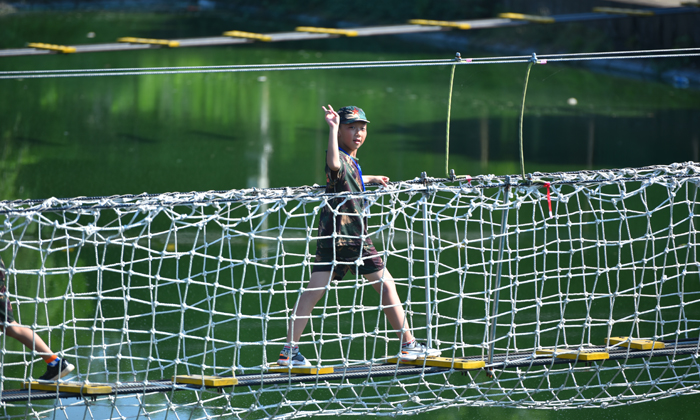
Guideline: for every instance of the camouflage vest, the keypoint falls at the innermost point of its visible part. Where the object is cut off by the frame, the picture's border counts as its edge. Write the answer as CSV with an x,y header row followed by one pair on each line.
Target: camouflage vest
x,y
349,224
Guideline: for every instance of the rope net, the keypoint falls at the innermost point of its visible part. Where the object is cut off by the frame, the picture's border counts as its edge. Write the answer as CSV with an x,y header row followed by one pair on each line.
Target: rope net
x,y
134,290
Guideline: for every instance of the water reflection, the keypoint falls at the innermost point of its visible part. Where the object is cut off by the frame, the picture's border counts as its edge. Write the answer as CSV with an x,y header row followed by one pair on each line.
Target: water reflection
x,y
570,141
264,146
223,131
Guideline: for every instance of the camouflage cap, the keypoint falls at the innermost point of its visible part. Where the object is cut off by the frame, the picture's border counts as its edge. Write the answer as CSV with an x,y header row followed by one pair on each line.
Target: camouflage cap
x,y
351,114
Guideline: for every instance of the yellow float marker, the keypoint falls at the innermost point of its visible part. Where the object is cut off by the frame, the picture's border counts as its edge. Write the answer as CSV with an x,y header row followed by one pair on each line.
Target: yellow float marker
x,y
331,31
248,35
443,23
52,47
163,42
529,18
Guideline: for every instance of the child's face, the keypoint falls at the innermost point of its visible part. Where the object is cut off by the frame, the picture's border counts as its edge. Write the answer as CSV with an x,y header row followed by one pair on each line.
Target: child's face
x,y
351,136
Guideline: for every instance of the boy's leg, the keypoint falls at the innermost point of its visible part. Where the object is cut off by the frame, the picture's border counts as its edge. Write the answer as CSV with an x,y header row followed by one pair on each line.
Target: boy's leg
x,y
30,340
56,367
313,292
410,350
393,308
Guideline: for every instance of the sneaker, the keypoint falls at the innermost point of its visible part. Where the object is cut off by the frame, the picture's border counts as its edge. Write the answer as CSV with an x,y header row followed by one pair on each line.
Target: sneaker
x,y
418,351
59,371
288,357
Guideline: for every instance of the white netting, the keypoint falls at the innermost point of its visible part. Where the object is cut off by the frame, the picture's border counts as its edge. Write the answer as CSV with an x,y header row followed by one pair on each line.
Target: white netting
x,y
136,289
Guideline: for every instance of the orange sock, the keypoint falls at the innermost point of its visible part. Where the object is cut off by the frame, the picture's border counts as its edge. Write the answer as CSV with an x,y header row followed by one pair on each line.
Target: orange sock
x,y
49,359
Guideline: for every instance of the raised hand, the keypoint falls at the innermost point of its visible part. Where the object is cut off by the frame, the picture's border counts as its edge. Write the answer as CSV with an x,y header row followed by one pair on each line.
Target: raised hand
x,y
332,117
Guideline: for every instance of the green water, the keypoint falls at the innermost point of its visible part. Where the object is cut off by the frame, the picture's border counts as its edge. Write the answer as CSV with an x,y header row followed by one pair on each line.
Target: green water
x,y
123,135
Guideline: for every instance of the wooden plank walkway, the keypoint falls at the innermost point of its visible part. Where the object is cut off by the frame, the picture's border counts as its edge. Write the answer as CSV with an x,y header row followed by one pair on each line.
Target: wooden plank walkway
x,y
502,361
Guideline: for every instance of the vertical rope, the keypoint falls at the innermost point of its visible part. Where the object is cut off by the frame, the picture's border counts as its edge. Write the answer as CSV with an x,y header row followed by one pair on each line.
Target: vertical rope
x,y
522,114
458,57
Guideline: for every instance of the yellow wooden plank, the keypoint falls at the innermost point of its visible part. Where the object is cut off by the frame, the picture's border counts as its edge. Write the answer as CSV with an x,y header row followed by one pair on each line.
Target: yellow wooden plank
x,y
248,35
164,42
529,18
52,47
460,364
636,343
583,355
332,31
619,11
444,23
72,387
206,380
304,370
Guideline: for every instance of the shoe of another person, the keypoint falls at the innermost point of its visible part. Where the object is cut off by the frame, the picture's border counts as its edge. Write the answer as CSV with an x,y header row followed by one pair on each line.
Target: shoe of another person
x,y
289,358
418,351
61,369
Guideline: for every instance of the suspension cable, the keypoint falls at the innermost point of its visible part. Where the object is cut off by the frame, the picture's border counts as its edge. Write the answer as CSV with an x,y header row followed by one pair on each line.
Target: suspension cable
x,y
640,54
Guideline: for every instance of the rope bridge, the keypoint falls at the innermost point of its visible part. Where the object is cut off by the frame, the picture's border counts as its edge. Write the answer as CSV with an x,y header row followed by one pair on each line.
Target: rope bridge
x,y
560,290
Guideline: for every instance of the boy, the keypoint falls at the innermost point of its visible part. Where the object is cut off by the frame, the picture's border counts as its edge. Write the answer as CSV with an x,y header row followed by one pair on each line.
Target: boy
x,y
348,131
56,367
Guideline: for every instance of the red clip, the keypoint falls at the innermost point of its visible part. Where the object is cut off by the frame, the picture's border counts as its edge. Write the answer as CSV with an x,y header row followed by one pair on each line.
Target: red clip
x,y
549,199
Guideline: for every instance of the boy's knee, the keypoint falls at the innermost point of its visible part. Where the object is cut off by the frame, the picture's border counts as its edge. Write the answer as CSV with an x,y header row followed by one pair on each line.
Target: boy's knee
x,y
386,284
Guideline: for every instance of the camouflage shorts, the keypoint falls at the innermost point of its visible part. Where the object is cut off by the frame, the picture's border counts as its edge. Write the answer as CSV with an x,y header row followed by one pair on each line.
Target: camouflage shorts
x,y
345,257
5,306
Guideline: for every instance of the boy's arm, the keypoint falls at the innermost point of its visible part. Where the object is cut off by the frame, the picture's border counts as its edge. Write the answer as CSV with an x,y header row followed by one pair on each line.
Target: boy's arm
x,y
375,179
332,156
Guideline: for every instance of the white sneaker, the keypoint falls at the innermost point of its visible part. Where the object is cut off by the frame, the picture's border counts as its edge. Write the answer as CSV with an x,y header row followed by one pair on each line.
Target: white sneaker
x,y
288,357
418,351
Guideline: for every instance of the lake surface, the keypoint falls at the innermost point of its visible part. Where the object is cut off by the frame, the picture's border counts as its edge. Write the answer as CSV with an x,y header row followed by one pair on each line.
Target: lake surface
x,y
197,132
